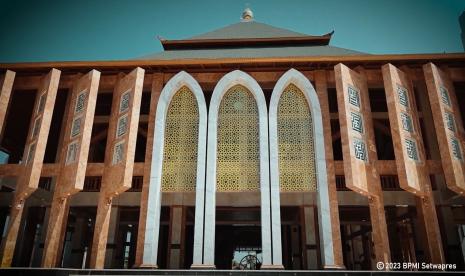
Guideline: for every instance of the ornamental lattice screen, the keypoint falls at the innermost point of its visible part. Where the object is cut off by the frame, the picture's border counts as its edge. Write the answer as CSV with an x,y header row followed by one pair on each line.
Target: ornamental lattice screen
x,y
295,140
238,146
179,170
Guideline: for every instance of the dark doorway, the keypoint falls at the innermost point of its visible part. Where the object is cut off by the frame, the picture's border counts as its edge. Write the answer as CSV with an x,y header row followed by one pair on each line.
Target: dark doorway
x,y
238,238
236,244
292,232
401,233
78,237
189,238
29,247
357,245
292,247
126,237
163,238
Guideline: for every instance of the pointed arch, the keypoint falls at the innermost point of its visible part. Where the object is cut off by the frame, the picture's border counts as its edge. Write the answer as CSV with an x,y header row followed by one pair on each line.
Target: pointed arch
x,y
296,78
175,84
227,82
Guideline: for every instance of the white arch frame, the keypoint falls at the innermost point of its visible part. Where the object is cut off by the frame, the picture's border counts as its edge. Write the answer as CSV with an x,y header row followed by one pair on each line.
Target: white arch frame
x,y
154,197
293,76
229,80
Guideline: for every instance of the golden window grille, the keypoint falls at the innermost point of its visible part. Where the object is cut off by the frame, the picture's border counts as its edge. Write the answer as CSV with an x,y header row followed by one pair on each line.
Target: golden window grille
x,y
179,171
295,142
238,148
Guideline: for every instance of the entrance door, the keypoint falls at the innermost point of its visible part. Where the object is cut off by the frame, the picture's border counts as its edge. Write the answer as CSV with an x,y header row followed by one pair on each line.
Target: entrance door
x,y
28,252
238,247
358,247
78,237
128,241
126,238
238,239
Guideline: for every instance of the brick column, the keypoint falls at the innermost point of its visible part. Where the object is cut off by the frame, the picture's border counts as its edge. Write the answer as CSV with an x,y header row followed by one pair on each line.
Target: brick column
x,y
359,151
32,162
410,153
119,156
77,130
6,84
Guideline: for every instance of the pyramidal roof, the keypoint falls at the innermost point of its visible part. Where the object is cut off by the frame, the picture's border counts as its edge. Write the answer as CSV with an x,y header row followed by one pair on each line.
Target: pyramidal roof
x,y
249,39
248,29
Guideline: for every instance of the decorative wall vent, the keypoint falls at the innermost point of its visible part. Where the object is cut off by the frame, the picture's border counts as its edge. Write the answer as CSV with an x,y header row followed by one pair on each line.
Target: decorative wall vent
x,y
118,152
80,101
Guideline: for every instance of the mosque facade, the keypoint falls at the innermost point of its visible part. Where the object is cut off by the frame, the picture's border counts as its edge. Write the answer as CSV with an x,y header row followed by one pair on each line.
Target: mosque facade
x,y
247,147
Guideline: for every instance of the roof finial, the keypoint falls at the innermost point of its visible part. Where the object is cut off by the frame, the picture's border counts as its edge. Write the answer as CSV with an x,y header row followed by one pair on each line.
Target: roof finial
x,y
247,14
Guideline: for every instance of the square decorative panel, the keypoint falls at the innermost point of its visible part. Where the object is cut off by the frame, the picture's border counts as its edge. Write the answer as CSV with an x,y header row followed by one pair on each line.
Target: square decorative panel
x,y
450,123
360,149
80,102
357,122
76,127
407,124
122,126
456,149
41,104
71,154
30,154
403,96
124,102
411,148
118,153
354,96
444,96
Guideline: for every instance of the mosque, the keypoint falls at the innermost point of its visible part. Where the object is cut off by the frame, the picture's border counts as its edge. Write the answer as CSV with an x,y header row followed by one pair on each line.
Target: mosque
x,y
248,147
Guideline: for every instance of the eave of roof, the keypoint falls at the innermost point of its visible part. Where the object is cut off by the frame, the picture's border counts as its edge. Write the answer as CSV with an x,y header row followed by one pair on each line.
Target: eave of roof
x,y
158,65
253,52
191,44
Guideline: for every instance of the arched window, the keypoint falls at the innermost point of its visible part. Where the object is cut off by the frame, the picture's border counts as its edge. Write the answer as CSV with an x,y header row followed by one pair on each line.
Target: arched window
x,y
297,153
181,143
237,157
238,160
295,142
178,157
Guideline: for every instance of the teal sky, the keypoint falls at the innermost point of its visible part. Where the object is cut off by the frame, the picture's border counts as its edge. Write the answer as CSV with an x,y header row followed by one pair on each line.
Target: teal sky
x,y
52,30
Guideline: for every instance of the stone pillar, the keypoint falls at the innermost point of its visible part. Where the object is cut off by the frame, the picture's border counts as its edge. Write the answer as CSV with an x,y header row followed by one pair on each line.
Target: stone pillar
x,y
359,151
75,142
33,156
119,156
448,125
157,85
379,228
322,91
176,237
430,140
111,237
410,153
55,234
6,84
14,222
